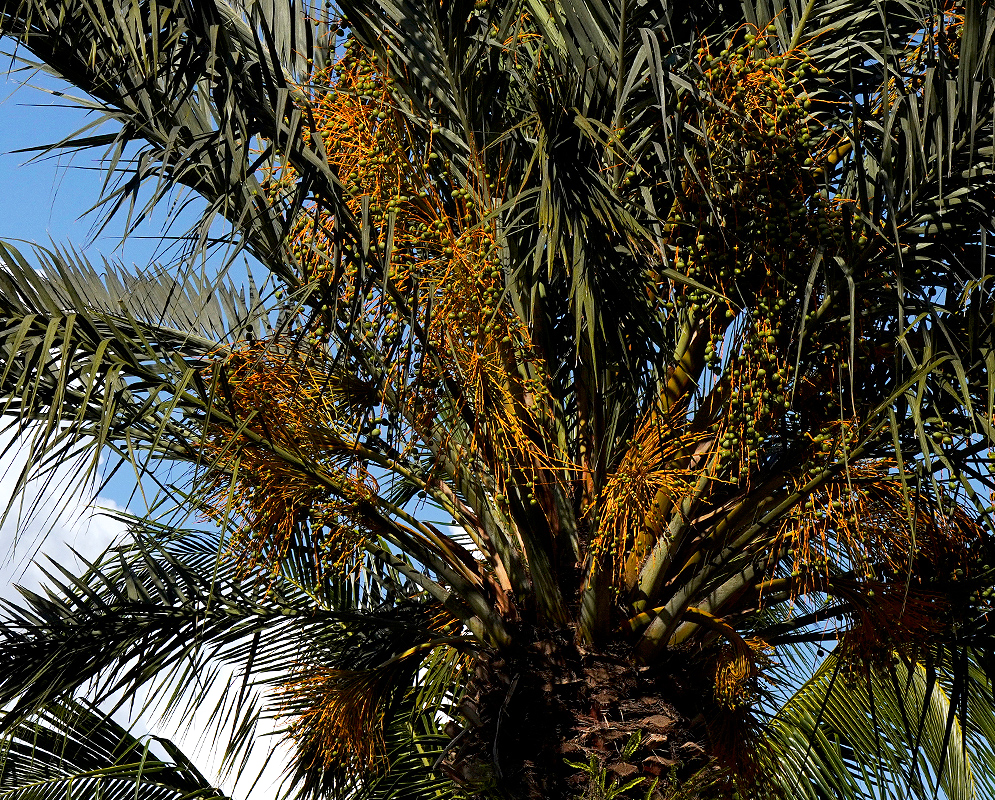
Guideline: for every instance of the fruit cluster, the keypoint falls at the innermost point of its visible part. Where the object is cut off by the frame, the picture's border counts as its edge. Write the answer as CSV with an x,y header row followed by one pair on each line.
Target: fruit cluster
x,y
417,300
754,217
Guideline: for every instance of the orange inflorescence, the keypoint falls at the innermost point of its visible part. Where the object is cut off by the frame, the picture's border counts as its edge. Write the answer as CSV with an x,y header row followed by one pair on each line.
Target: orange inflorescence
x,y
862,538
748,224
737,668
279,465
862,523
339,715
440,309
642,490
451,363
895,621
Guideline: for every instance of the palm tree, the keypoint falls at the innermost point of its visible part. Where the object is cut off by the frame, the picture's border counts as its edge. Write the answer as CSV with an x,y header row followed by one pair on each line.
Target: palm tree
x,y
615,418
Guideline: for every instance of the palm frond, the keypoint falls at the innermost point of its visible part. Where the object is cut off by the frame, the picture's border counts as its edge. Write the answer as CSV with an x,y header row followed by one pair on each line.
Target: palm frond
x,y
75,749
169,84
889,730
92,362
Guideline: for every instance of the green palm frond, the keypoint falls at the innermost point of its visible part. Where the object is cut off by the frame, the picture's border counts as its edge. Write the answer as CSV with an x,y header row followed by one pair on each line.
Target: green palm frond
x,y
167,83
150,607
891,730
92,362
73,749
161,609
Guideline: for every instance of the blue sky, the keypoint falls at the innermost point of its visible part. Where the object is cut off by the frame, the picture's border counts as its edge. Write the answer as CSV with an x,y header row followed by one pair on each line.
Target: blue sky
x,y
45,200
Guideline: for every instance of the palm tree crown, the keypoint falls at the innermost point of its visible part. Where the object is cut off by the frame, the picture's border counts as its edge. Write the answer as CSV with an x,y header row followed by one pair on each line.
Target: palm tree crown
x,y
613,364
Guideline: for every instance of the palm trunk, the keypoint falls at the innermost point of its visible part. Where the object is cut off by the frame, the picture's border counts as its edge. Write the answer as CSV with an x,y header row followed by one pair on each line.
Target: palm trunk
x,y
535,714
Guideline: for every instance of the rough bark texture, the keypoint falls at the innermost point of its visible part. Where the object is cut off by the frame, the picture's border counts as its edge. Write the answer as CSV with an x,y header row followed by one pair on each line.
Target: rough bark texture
x,y
530,711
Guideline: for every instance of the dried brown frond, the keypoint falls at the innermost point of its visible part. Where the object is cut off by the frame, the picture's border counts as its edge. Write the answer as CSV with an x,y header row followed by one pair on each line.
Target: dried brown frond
x,y
892,621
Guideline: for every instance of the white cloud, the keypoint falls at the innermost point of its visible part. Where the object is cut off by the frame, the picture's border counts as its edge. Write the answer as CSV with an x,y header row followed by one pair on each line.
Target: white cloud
x,y
49,522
